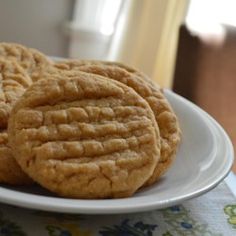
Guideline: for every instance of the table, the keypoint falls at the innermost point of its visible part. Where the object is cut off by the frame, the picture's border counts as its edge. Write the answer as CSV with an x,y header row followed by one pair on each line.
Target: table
x,y
211,214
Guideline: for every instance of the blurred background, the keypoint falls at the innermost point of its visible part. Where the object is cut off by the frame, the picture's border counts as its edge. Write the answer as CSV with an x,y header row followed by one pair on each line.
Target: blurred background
x,y
188,46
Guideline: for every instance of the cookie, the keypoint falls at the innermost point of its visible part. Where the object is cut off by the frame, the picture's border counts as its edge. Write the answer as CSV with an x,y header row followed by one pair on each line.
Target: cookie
x,y
85,136
166,119
14,80
71,64
10,171
33,61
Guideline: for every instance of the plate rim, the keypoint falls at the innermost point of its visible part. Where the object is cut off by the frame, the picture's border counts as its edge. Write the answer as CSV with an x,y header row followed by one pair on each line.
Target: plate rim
x,y
82,208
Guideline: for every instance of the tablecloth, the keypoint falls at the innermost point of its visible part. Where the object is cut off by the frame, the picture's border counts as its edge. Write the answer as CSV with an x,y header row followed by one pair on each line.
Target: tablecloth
x,y
211,214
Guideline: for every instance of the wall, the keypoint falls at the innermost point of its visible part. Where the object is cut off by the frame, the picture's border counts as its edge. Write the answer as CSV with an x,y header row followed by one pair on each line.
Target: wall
x,y
37,24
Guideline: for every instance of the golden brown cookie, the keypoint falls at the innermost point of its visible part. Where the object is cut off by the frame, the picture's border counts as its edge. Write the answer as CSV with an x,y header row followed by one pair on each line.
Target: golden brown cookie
x,y
85,136
72,64
10,172
33,61
13,80
165,116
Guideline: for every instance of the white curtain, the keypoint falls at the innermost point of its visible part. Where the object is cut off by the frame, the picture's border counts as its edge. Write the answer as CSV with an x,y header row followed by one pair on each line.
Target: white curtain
x,y
140,33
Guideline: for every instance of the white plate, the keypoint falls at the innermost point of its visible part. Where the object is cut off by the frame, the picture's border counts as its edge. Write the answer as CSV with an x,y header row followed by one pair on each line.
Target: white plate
x,y
203,160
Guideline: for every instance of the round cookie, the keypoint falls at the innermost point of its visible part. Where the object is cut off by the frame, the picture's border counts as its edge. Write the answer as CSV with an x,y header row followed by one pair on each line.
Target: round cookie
x,y
71,64
85,136
166,119
14,80
33,61
10,172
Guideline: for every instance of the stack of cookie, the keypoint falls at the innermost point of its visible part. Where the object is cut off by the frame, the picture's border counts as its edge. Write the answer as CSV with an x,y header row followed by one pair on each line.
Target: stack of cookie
x,y
19,66
82,129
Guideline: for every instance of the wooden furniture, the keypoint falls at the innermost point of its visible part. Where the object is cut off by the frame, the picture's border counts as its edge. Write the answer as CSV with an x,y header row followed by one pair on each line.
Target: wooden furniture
x,y
206,74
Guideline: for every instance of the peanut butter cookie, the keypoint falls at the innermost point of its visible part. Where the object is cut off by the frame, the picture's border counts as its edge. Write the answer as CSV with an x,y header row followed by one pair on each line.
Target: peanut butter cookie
x,y
13,82
10,171
85,136
33,61
152,93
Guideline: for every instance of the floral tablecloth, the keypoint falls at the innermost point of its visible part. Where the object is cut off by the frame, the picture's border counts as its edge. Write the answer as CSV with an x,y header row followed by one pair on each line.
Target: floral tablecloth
x,y
211,214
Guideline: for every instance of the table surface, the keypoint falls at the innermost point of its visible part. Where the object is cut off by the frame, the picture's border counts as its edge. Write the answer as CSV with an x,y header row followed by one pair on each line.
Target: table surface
x,y
213,213
231,182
